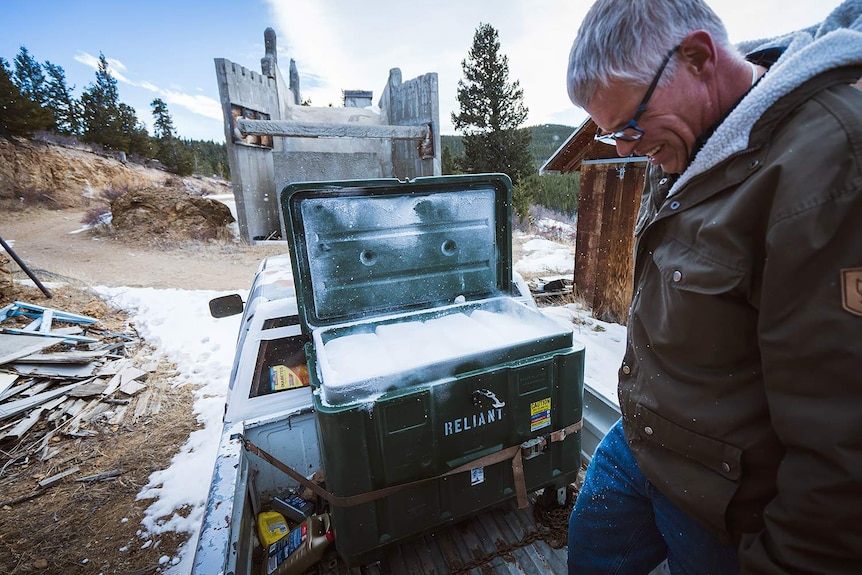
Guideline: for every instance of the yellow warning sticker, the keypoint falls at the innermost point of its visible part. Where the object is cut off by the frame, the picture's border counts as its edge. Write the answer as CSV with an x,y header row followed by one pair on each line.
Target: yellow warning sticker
x,y
540,414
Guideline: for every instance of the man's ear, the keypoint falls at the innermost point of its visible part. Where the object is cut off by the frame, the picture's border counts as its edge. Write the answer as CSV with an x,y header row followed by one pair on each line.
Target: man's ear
x,y
698,52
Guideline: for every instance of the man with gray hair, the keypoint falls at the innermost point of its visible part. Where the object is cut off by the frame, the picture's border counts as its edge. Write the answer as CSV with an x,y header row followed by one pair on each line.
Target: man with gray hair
x,y
740,443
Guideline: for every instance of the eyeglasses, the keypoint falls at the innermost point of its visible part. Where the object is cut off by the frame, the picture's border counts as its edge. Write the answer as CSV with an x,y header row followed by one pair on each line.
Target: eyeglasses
x,y
631,131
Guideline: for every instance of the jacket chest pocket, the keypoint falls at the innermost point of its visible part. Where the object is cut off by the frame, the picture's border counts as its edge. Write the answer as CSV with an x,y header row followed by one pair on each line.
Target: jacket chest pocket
x,y
696,305
686,270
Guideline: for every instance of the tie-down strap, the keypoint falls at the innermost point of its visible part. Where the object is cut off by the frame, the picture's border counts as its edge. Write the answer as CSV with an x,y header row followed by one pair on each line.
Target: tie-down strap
x,y
513,453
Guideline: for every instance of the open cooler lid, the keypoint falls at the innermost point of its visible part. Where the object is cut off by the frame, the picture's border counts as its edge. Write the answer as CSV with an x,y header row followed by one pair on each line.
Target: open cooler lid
x,y
367,248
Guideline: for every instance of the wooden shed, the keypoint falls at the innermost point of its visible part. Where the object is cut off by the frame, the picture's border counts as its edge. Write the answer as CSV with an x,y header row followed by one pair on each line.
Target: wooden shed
x,y
611,189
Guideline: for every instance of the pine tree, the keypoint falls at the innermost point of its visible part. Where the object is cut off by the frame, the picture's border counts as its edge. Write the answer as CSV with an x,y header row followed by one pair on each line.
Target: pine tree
x,y
163,124
29,77
66,109
19,116
100,111
492,111
134,133
174,154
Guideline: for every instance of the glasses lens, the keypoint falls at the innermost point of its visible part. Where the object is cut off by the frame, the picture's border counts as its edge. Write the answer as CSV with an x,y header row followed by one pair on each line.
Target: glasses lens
x,y
626,135
629,134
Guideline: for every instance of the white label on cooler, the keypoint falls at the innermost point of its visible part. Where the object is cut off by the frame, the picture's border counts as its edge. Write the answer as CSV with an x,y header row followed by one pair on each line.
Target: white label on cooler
x,y
477,475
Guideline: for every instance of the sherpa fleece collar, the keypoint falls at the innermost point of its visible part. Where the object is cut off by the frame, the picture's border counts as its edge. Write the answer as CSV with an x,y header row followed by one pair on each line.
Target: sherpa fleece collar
x,y
835,43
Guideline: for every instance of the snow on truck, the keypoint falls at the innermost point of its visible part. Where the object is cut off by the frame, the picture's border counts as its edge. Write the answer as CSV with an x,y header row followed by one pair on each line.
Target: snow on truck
x,y
397,402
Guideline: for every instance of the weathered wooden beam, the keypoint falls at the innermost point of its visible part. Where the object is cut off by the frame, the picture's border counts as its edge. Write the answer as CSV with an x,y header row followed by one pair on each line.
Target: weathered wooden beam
x,y
101,476
22,498
22,405
76,357
48,481
51,334
32,310
14,347
312,130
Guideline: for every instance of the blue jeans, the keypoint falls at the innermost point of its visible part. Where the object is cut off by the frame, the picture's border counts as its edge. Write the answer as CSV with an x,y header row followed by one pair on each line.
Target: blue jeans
x,y
622,524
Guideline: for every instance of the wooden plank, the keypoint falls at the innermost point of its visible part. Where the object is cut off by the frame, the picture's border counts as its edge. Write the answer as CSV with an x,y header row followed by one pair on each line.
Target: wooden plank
x,y
131,373
31,310
76,407
132,387
22,405
47,320
141,405
119,415
90,410
52,336
55,478
38,387
89,389
7,380
63,357
115,367
23,426
58,413
30,420
60,371
14,347
105,475
18,389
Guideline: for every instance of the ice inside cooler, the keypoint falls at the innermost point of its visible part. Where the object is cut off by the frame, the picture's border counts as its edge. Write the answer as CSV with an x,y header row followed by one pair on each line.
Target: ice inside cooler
x,y
364,359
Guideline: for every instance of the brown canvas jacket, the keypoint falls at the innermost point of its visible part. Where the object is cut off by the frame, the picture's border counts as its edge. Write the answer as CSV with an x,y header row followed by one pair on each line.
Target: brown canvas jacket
x,y
741,385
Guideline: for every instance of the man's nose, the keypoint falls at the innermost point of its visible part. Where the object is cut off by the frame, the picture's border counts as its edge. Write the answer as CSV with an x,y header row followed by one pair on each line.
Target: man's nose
x,y
625,148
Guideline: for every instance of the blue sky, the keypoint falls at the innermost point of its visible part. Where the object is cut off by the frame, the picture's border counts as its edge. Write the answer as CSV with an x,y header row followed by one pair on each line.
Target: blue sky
x,y
165,48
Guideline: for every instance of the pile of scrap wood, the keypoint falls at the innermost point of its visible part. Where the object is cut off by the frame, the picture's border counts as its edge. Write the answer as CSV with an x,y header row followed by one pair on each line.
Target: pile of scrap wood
x,y
62,375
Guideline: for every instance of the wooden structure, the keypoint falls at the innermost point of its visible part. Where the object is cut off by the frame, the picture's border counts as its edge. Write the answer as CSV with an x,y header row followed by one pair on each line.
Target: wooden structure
x,y
610,193
273,140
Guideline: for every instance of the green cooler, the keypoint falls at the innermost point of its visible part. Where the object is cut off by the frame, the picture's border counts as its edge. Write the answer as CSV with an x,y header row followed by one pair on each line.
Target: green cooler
x,y
426,369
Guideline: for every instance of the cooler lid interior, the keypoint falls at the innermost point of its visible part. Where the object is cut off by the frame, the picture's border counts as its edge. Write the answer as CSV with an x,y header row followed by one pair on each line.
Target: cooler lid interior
x,y
366,248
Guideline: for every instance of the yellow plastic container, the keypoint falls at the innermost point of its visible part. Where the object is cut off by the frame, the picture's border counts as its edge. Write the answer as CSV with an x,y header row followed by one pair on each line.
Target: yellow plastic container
x,y
271,526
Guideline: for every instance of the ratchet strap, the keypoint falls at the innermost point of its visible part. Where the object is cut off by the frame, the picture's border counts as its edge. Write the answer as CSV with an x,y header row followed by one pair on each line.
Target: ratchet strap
x,y
514,454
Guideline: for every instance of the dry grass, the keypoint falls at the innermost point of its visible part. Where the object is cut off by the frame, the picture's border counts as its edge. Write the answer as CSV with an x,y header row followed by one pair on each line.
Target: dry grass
x,y
74,527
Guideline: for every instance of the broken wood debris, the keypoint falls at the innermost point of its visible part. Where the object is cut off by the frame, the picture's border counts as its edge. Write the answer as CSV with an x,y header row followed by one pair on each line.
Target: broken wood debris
x,y
64,377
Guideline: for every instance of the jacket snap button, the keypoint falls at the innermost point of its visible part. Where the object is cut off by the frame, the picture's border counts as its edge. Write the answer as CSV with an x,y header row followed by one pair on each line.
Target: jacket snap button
x,y
754,164
662,181
648,430
674,205
627,370
726,467
677,275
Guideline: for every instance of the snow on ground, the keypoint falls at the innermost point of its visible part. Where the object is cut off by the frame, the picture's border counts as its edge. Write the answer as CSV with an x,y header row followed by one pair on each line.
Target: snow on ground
x,y
178,324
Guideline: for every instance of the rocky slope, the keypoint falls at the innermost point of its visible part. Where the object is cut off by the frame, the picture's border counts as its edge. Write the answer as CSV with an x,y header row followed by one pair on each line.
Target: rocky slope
x,y
73,176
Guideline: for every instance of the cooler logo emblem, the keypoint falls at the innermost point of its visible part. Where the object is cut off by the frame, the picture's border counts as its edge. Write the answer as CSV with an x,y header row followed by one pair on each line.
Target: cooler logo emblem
x,y
851,290
473,421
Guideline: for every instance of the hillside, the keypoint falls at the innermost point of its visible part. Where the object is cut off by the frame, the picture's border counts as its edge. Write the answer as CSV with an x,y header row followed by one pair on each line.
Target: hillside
x,y
546,139
39,173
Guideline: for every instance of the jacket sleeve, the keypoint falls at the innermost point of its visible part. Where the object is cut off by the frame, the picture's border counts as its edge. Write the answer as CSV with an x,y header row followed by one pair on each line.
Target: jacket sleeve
x,y
810,335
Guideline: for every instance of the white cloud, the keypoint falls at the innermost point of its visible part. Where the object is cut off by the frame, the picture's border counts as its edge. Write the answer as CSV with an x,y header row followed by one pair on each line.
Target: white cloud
x,y
339,45
197,104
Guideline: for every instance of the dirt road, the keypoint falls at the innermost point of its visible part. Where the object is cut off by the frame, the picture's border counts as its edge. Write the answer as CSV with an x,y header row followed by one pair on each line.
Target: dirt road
x,y
47,243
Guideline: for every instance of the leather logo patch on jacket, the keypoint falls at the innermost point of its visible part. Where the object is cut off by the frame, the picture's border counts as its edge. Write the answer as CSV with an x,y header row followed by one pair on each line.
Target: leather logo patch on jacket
x,y
851,290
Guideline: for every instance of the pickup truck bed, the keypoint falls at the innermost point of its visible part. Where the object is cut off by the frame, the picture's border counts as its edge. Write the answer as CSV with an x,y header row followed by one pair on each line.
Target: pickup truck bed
x,y
503,539
498,539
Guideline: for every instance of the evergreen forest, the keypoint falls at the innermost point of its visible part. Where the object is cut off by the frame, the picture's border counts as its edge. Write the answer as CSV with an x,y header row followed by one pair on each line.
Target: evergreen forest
x,y
36,99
